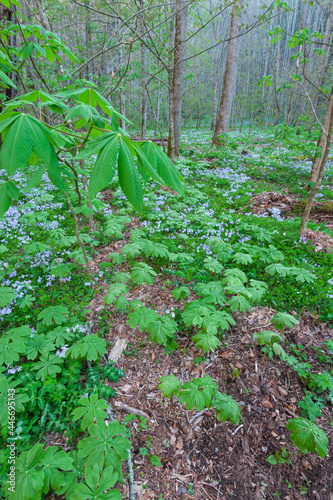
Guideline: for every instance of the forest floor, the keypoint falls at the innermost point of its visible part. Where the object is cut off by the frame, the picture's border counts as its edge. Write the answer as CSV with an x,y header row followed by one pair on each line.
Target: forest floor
x,y
249,195
202,458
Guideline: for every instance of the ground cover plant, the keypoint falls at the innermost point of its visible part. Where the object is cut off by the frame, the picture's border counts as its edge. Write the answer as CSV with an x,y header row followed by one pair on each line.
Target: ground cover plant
x,y
215,261
165,306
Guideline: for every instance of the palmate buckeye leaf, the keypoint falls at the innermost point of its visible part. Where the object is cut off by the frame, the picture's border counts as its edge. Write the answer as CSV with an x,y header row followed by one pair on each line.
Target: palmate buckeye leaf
x,y
151,161
26,135
307,436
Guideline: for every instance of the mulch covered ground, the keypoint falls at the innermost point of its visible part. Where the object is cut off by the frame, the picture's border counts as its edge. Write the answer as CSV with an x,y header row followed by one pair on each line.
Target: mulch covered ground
x,y
221,461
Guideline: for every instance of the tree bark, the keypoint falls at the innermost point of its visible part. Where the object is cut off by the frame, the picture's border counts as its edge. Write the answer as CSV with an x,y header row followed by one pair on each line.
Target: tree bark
x,y
144,93
179,69
326,40
322,143
223,118
320,162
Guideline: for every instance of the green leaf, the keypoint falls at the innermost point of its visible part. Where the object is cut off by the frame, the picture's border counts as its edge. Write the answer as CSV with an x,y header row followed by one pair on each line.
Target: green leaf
x,y
91,346
10,349
142,317
47,366
17,146
106,445
278,269
92,408
281,319
239,302
6,294
199,393
142,273
213,265
53,314
97,486
166,169
5,78
5,203
7,390
308,436
206,341
12,191
195,312
114,291
310,408
226,408
154,460
267,337
143,451
242,258
29,480
212,291
169,385
162,330
27,301
128,176
105,166
181,293
54,463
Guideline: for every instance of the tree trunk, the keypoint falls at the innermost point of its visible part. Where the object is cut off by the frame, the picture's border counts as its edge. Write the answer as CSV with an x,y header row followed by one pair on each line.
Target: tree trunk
x,y
223,117
326,138
322,143
179,68
41,15
158,106
322,72
144,93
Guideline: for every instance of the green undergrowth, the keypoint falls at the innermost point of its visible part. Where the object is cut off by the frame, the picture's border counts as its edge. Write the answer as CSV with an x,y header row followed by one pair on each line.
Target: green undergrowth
x,y
205,243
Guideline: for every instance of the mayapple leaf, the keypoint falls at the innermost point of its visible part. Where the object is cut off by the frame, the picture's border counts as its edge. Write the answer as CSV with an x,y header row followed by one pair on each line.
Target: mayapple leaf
x,y
92,408
169,385
227,408
307,436
6,294
91,346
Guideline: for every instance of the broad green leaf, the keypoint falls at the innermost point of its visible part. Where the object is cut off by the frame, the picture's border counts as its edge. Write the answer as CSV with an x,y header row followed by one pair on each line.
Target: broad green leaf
x,y
105,446
54,463
91,346
29,480
17,146
6,294
47,366
267,337
162,330
142,317
92,408
227,408
154,460
105,166
97,486
128,176
5,203
206,341
169,385
142,273
308,436
53,314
